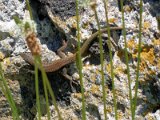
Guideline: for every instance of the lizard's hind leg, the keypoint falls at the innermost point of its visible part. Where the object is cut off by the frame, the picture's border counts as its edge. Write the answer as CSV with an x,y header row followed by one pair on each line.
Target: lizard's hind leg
x,y
68,77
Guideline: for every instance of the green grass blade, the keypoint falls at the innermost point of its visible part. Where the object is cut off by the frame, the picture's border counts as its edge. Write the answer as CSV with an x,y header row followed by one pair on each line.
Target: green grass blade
x,y
48,86
126,57
30,13
46,95
138,63
111,61
8,95
101,61
80,63
52,96
37,88
29,9
38,62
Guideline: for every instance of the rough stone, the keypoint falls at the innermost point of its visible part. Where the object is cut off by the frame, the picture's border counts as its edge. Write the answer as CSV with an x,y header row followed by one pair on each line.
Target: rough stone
x,y
20,75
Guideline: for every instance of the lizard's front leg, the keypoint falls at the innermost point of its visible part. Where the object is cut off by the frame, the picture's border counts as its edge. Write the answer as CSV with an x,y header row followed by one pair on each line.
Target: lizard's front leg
x,y
61,53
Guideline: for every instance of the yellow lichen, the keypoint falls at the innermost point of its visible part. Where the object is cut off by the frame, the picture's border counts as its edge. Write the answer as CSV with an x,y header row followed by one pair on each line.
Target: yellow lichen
x,y
146,25
74,25
158,64
109,109
120,115
95,89
131,44
79,95
6,63
142,66
119,70
97,72
150,117
1,56
127,8
147,54
156,41
93,77
151,72
108,68
107,89
112,20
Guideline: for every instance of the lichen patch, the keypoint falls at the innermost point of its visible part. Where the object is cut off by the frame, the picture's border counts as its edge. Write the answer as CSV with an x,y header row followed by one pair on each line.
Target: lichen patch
x,y
156,41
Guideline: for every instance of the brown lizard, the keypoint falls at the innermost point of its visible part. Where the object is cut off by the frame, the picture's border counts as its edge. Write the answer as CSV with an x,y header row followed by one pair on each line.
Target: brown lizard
x,y
57,64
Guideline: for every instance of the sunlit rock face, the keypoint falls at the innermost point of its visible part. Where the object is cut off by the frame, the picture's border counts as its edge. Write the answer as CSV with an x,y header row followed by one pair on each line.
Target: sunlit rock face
x,y
20,75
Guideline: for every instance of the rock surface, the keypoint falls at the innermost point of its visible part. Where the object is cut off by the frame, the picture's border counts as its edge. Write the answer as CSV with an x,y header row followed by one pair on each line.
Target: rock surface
x,y
20,75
